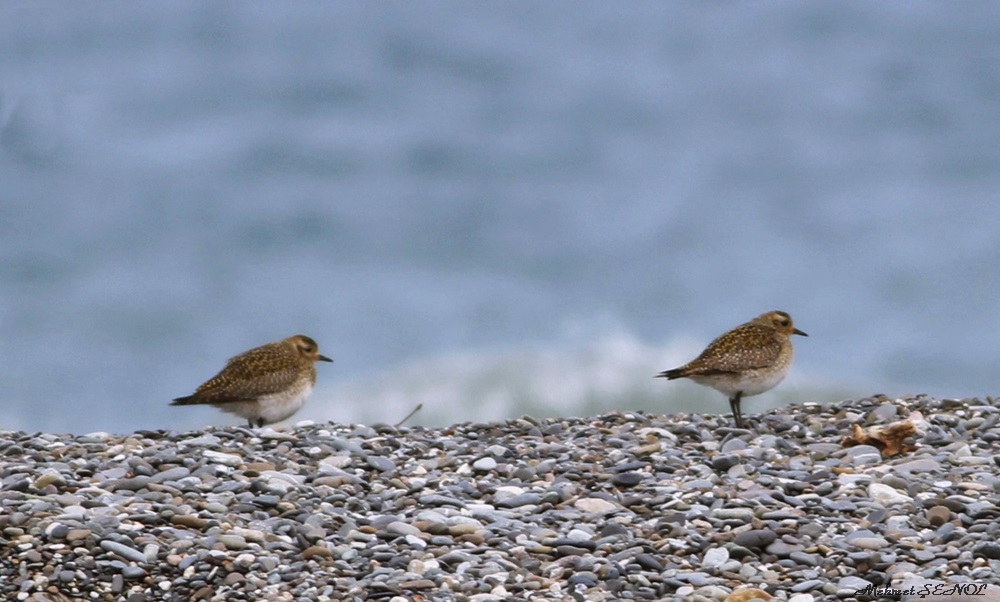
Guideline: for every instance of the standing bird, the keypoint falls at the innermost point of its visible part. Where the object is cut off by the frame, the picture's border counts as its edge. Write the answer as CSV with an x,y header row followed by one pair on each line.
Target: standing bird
x,y
746,361
264,385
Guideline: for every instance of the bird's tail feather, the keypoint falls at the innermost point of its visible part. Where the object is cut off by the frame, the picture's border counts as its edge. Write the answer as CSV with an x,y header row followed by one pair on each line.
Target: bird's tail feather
x,y
671,374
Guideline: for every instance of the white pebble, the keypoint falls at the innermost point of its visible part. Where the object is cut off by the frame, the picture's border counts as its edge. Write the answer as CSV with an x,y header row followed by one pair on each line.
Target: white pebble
x,y
484,464
715,557
886,495
506,492
594,505
222,457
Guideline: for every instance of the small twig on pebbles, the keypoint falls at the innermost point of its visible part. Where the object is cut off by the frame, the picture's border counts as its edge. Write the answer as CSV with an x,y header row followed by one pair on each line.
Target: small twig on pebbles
x,y
419,407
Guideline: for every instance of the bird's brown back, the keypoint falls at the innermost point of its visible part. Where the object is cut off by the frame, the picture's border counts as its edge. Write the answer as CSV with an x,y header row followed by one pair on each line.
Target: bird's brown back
x,y
264,370
746,347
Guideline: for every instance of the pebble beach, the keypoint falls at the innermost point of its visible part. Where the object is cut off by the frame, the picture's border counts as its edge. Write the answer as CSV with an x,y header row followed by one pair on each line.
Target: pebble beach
x,y
621,506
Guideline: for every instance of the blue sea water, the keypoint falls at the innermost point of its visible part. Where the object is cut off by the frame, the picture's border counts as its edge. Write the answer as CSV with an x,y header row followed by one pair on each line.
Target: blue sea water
x,y
492,209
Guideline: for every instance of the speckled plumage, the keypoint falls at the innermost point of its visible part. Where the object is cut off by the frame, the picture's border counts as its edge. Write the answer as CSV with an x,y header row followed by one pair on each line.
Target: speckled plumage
x,y
264,385
748,360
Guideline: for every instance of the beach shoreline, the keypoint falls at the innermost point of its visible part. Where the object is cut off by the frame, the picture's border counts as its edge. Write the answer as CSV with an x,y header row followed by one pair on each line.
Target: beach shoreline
x,y
625,505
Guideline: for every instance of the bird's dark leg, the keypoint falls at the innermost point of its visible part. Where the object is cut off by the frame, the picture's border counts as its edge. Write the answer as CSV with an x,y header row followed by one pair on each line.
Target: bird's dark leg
x,y
250,422
734,405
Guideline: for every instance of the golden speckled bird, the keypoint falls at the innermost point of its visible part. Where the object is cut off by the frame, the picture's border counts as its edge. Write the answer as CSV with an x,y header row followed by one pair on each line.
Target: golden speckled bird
x,y
264,385
746,361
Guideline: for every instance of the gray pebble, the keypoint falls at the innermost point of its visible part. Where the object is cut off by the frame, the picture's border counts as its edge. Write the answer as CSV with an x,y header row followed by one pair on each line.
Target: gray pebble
x,y
733,445
132,484
988,549
133,572
171,474
782,549
517,501
484,464
266,501
233,542
126,552
808,584
627,479
648,562
755,538
723,463
381,463
741,515
696,578
401,528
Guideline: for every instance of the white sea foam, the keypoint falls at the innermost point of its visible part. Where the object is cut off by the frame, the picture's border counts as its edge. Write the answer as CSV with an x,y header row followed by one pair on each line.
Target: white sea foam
x,y
611,372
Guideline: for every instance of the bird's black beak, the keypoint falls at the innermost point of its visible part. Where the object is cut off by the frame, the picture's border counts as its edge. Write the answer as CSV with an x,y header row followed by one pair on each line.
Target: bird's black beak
x,y
797,331
323,358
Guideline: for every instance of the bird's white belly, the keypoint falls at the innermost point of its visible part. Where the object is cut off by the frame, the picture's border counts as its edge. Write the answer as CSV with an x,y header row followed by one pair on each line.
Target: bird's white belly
x,y
750,383
271,408
275,408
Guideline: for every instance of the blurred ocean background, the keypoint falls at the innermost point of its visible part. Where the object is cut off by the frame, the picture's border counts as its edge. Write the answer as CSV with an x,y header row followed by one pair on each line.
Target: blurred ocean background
x,y
493,209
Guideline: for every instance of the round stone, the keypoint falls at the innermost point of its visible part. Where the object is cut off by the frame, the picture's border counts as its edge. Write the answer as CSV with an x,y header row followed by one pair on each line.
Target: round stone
x,y
755,538
714,558
484,464
938,515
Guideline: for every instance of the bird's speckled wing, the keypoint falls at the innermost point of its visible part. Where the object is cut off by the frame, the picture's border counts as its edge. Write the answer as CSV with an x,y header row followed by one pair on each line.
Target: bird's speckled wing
x,y
262,371
745,347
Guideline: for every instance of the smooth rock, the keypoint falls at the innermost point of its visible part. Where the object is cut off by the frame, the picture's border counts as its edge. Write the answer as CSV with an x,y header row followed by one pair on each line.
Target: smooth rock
x,y
887,496
484,464
714,558
126,552
938,515
595,506
755,538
